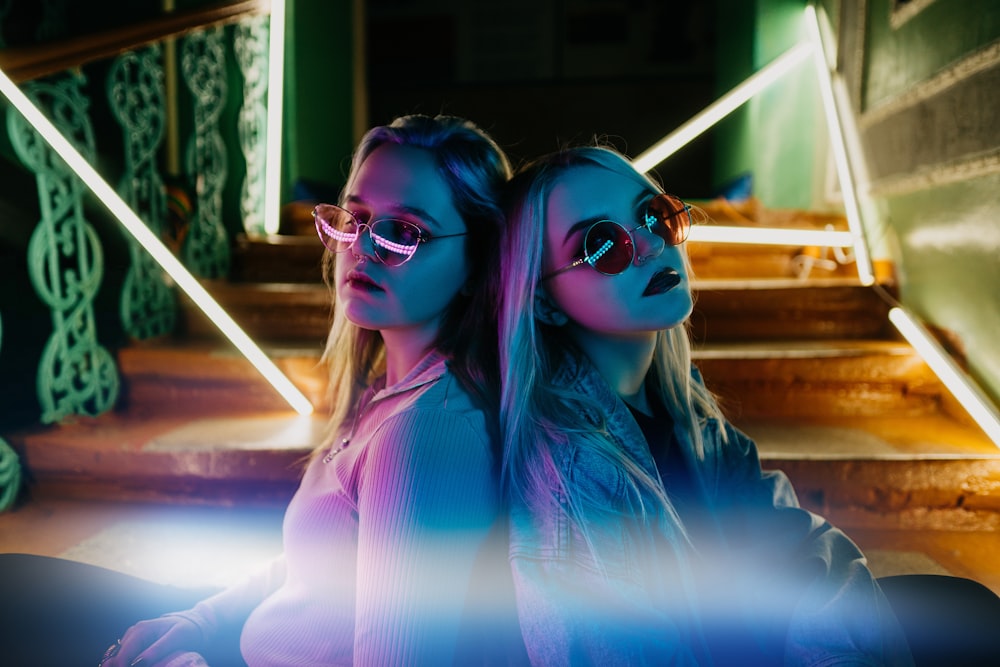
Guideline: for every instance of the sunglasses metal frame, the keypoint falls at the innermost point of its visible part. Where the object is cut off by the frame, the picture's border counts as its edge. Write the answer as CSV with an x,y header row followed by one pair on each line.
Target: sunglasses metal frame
x,y
591,259
378,241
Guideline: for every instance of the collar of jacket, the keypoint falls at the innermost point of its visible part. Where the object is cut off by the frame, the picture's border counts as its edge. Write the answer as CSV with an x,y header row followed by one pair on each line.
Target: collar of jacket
x,y
605,409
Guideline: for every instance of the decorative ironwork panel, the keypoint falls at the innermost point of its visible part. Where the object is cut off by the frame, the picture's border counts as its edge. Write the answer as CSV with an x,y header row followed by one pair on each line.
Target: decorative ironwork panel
x,y
65,260
251,47
203,62
136,93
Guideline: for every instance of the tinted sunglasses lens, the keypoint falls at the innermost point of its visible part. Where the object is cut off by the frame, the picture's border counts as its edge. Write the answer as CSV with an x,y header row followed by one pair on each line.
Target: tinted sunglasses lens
x,y
608,247
395,241
674,215
336,227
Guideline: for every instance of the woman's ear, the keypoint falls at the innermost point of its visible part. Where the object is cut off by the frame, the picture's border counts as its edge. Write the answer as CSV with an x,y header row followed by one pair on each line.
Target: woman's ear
x,y
546,311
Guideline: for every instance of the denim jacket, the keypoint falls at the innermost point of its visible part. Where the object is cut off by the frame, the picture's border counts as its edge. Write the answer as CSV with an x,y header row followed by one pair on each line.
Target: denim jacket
x,y
735,573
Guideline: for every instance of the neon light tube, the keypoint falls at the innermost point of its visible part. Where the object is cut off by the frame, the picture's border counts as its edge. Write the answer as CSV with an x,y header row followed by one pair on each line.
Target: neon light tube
x,y
838,148
771,236
187,282
721,108
979,407
275,98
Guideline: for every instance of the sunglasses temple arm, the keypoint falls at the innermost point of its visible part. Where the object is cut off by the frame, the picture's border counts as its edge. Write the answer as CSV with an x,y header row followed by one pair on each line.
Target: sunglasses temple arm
x,y
571,265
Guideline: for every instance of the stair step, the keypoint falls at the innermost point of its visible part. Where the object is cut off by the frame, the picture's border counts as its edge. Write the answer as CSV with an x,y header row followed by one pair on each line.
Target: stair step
x,y
277,258
882,473
181,459
787,309
724,310
815,379
204,378
741,261
764,379
889,472
266,311
298,259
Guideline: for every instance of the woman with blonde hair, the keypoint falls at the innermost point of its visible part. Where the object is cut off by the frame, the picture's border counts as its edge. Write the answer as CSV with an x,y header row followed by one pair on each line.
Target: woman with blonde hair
x,y
395,547
643,530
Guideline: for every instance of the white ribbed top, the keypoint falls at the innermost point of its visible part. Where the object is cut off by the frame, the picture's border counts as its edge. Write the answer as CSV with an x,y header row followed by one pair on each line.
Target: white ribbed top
x,y
383,542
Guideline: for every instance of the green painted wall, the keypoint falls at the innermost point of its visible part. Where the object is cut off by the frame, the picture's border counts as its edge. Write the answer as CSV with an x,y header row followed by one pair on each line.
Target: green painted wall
x,y
319,85
949,265
943,32
778,135
931,130
925,86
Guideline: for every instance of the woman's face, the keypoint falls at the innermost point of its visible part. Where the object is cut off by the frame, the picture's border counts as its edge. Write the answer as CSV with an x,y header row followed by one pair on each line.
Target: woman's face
x,y
642,299
402,182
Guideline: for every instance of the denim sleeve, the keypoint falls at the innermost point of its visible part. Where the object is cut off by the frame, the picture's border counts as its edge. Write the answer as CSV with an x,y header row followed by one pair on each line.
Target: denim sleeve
x,y
573,613
804,583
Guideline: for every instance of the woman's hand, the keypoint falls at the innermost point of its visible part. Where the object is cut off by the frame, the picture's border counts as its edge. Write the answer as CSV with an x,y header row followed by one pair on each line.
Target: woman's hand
x,y
148,642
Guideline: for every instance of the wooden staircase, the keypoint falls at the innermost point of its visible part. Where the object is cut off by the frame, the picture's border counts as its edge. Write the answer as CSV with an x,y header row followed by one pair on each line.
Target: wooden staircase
x,y
808,367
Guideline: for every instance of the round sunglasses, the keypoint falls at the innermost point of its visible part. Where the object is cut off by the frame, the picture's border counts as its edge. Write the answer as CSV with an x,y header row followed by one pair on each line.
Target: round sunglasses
x,y
609,248
394,241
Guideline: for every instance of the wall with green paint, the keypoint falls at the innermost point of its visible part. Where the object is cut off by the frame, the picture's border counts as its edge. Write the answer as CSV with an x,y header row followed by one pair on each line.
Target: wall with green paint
x,y
927,99
924,81
778,136
319,88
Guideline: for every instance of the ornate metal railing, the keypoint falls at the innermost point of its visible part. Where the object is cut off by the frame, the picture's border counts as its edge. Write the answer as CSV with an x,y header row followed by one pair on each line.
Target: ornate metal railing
x,y
216,53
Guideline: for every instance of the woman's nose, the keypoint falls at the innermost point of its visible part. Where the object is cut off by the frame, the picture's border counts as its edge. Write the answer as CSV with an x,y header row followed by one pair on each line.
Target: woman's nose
x,y
647,245
364,245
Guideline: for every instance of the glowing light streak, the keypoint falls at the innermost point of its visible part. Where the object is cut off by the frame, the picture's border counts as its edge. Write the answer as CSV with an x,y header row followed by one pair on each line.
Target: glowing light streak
x,y
184,280
721,108
979,407
275,90
825,76
771,236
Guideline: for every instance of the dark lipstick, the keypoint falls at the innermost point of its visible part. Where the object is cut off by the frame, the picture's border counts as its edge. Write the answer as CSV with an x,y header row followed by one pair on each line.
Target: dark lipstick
x,y
662,281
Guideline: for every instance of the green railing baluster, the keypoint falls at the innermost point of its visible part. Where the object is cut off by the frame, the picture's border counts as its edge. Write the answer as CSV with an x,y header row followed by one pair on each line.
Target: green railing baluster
x,y
76,375
206,249
251,44
136,93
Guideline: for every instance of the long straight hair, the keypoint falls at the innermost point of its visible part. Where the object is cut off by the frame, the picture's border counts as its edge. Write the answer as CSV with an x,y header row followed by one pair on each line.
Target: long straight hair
x,y
536,414
475,169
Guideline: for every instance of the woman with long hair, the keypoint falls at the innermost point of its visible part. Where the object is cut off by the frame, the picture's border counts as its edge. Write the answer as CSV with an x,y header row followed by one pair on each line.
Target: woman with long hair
x,y
643,530
395,548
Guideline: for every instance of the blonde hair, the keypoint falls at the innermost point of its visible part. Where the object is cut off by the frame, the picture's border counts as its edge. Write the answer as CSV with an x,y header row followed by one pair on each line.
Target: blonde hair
x,y
475,169
537,415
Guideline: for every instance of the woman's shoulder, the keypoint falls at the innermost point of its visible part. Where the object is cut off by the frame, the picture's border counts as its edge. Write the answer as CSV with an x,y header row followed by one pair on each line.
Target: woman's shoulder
x,y
448,395
438,415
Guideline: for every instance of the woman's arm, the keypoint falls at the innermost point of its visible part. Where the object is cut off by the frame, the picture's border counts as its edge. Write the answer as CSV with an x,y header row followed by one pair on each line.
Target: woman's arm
x,y
199,629
230,607
428,499
798,570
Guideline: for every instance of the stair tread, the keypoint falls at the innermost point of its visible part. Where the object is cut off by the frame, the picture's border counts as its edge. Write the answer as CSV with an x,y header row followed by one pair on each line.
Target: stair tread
x,y
797,348
119,433
883,438
887,472
285,349
116,434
